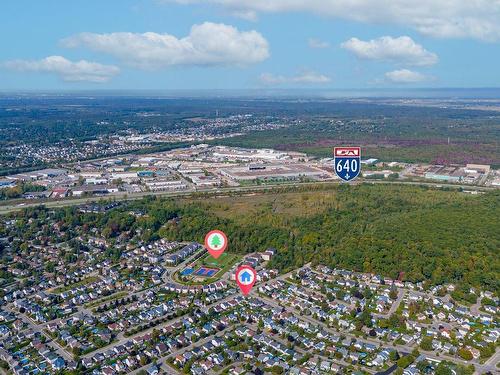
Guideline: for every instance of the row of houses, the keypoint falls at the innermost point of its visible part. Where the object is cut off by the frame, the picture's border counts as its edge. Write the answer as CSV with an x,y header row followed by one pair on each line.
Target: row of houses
x,y
194,289
182,254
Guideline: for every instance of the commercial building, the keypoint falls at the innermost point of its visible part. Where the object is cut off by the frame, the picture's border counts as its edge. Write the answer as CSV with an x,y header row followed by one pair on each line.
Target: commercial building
x,y
478,168
94,189
4,184
272,172
39,175
235,154
445,173
165,185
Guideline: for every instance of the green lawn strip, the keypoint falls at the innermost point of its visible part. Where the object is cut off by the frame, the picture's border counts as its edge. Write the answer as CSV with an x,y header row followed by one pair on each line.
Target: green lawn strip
x,y
109,298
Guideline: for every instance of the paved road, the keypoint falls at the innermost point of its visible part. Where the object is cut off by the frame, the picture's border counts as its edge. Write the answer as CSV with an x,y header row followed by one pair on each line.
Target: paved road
x,y
39,328
481,368
493,361
489,365
474,309
162,360
122,339
122,196
167,277
394,306
388,371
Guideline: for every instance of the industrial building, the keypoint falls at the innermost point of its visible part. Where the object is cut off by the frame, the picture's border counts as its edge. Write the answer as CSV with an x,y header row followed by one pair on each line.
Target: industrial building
x,y
166,185
445,173
227,153
273,172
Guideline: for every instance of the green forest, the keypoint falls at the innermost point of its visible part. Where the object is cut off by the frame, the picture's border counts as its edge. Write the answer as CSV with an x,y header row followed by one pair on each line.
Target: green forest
x,y
430,235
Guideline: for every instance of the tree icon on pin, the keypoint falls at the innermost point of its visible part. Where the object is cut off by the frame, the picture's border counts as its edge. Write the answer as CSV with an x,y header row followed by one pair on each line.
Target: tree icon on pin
x,y
215,243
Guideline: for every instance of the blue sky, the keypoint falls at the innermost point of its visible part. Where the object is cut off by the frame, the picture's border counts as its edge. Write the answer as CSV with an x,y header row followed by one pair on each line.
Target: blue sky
x,y
243,44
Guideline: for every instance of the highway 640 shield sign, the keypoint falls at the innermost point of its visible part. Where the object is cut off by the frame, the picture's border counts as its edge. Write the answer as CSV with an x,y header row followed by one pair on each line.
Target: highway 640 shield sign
x,y
347,162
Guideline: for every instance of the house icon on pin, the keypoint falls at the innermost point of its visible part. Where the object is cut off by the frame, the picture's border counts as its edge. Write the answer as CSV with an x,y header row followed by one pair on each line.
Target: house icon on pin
x,y
245,277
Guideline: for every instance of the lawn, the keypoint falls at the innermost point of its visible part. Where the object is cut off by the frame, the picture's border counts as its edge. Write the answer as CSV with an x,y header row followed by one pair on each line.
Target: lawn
x,y
223,263
109,298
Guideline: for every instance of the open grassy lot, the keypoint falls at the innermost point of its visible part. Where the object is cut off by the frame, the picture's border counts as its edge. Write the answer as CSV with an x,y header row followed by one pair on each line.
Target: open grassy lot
x,y
428,234
291,204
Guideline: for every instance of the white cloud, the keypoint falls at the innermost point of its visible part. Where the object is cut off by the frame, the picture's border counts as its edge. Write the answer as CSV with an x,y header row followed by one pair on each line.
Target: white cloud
x,y
439,18
68,70
206,44
316,43
405,76
249,15
402,50
305,77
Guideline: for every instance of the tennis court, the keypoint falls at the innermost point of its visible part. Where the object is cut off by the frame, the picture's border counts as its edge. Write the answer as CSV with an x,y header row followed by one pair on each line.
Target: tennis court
x,y
206,272
187,271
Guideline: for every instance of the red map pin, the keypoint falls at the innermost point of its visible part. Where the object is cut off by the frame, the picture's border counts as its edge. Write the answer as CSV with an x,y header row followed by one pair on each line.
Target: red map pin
x,y
216,243
245,278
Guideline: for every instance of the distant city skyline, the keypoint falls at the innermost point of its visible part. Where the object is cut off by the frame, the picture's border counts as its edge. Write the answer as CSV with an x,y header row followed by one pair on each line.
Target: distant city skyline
x,y
248,45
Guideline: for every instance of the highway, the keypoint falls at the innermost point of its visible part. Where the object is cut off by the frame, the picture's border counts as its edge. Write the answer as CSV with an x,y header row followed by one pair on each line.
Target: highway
x,y
19,204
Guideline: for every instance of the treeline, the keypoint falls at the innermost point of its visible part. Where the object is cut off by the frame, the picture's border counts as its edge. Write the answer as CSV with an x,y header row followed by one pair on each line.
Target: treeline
x,y
423,234
18,190
427,235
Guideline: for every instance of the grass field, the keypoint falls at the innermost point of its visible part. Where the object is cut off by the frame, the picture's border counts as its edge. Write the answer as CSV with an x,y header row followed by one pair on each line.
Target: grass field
x,y
223,263
109,298
290,204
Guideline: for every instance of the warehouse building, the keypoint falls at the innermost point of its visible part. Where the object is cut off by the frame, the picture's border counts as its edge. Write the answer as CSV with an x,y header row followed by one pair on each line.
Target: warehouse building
x,y
273,172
